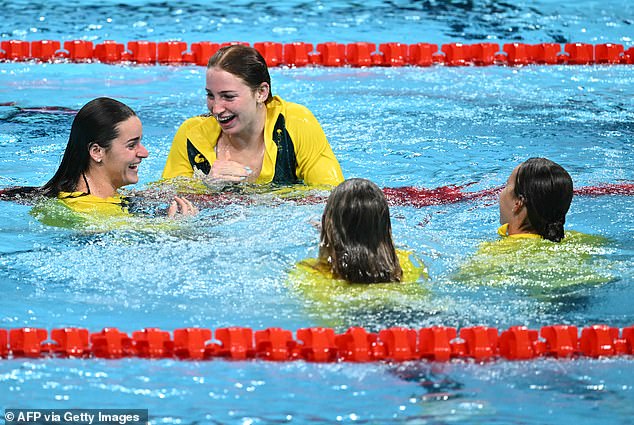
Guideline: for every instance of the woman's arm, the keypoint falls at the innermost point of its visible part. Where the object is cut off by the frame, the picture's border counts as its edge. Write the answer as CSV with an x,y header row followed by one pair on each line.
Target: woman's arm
x,y
177,163
316,162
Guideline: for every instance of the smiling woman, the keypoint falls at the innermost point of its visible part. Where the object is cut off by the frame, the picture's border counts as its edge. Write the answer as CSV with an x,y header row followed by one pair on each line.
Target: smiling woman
x,y
251,134
103,154
120,160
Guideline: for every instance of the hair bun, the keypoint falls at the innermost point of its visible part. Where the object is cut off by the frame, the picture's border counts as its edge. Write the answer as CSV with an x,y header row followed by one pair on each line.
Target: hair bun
x,y
554,231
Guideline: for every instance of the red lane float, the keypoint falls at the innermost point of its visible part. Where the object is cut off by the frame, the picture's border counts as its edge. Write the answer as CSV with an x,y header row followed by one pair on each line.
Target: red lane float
x,y
153,343
422,54
275,344
329,54
78,51
44,50
15,50
297,54
360,54
323,345
435,343
109,51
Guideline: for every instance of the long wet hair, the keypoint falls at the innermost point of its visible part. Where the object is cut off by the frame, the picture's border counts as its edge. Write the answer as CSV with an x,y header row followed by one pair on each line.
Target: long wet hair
x,y
95,123
245,63
356,234
546,190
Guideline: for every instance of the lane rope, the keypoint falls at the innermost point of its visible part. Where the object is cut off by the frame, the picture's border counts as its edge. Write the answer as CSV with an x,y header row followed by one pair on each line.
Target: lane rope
x,y
417,197
329,54
317,344
409,196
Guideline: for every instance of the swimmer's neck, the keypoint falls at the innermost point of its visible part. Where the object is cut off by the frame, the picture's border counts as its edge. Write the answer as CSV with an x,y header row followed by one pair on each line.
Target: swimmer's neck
x,y
514,228
96,185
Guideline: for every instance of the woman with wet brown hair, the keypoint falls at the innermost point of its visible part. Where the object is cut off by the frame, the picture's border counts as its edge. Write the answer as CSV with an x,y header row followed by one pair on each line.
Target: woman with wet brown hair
x,y
251,135
356,235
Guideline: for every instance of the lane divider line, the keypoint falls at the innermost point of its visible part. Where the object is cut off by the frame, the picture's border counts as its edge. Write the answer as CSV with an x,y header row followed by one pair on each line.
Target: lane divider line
x,y
318,344
328,54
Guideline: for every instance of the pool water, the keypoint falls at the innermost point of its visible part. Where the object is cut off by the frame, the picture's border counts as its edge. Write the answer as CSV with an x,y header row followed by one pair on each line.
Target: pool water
x,y
422,127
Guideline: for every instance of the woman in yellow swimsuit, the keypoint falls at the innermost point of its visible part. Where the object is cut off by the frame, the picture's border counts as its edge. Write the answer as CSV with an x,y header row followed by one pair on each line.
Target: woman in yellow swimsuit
x,y
534,250
103,154
251,135
535,200
358,270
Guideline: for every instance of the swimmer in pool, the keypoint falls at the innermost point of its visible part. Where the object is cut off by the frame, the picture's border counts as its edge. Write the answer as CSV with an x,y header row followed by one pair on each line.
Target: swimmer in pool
x,y
358,272
534,250
103,154
535,200
251,135
356,236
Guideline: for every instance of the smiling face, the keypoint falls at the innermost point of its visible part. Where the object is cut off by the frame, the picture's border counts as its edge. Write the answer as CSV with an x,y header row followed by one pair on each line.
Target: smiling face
x,y
508,200
233,103
121,160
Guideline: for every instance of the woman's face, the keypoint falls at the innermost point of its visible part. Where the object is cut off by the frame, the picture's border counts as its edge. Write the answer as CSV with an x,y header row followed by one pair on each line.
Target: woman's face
x,y
121,160
508,198
232,102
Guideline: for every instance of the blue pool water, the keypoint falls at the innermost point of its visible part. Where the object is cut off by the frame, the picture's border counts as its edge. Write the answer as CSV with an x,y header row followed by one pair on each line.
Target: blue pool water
x,y
400,127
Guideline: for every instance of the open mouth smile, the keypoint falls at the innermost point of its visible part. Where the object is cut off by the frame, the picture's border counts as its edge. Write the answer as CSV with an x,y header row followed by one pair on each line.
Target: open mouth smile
x,y
225,119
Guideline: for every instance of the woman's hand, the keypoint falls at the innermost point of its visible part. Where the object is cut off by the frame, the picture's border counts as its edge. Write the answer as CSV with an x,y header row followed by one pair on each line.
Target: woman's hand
x,y
229,171
181,206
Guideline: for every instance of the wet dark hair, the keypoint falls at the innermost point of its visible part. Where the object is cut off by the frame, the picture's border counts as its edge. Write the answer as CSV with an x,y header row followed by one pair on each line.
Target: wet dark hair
x,y
245,63
95,123
356,234
546,190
